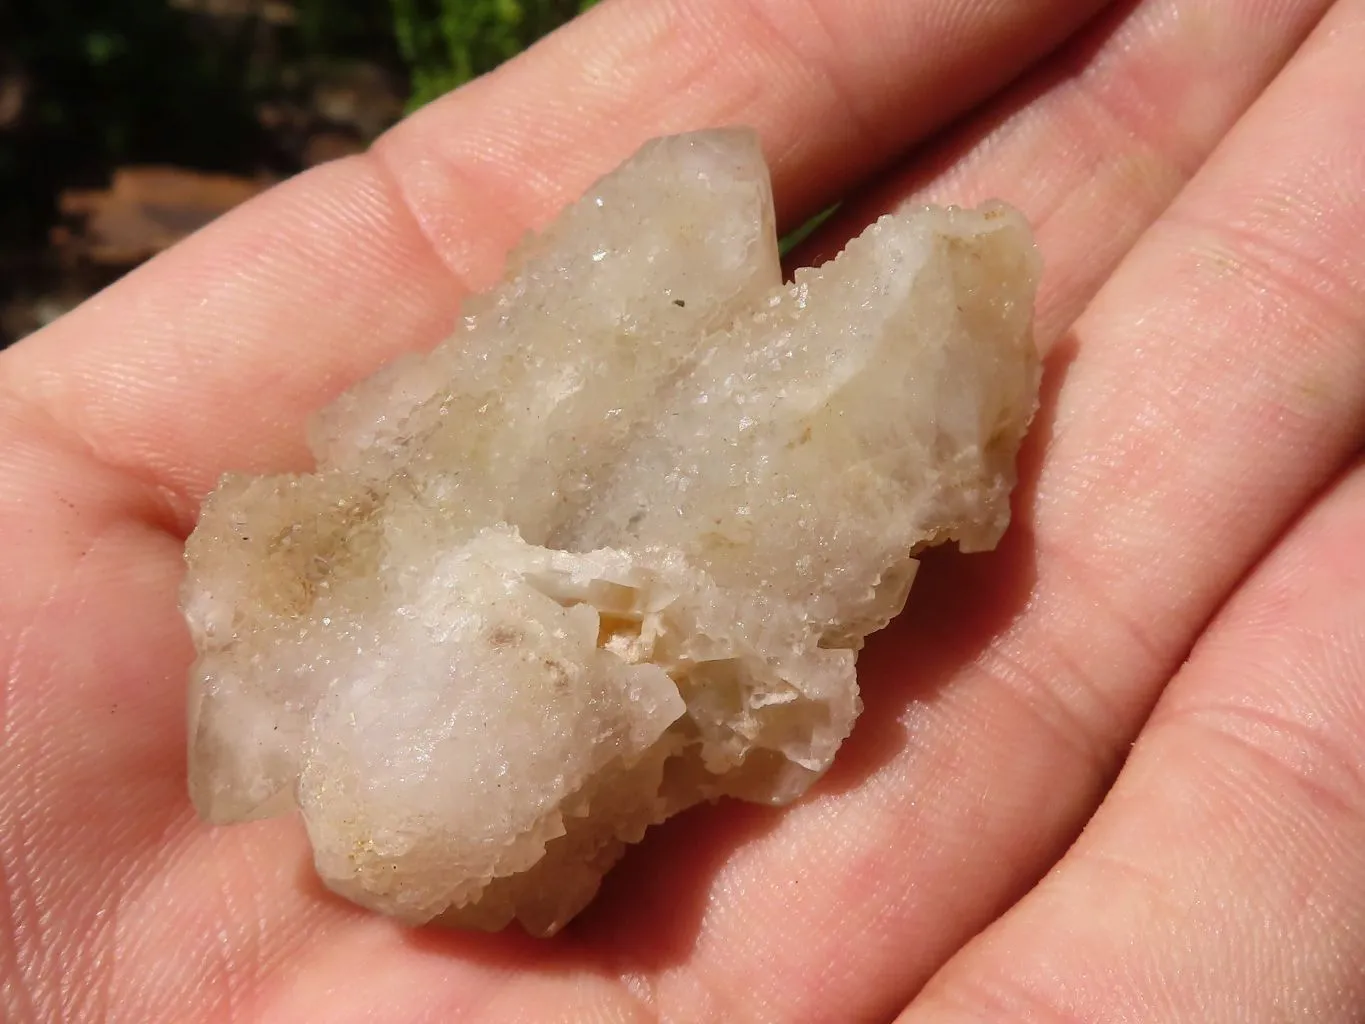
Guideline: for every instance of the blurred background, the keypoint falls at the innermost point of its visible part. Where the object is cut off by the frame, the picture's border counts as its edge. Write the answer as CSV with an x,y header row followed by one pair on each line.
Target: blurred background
x,y
126,124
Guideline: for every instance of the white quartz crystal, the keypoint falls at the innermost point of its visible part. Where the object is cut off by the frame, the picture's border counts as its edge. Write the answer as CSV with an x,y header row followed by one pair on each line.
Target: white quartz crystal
x,y
611,549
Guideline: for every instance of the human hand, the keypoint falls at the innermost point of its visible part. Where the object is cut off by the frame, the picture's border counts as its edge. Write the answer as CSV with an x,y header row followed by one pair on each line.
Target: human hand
x,y
1205,394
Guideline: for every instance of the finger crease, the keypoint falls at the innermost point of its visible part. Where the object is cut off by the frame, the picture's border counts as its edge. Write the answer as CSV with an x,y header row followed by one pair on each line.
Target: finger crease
x,y
433,244
1287,749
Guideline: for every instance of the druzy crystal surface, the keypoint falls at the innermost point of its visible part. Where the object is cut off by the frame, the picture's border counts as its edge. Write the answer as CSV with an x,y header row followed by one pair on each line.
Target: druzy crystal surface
x,y
612,548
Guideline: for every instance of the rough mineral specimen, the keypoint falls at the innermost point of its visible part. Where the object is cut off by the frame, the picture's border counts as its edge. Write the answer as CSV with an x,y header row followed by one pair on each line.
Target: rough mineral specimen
x,y
611,549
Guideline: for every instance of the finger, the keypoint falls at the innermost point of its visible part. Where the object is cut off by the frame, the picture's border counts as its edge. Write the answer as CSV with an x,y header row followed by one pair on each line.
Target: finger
x,y
1090,144
829,87
1224,877
211,357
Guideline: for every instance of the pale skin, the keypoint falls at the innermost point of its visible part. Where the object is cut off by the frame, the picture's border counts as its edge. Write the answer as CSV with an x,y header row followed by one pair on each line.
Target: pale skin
x,y
1168,651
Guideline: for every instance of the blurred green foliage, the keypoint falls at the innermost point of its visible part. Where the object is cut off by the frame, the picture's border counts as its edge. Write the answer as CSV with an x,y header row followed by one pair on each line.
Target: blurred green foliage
x,y
88,86
445,43
110,82
105,83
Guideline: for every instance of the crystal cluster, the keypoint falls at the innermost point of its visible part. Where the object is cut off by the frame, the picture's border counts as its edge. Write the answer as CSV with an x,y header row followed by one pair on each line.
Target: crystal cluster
x,y
611,549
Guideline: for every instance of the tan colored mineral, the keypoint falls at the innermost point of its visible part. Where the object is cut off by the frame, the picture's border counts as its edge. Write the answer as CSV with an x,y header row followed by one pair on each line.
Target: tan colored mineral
x,y
611,549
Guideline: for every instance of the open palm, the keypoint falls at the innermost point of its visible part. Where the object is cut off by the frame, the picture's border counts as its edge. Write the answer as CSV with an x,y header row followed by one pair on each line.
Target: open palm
x,y
1182,595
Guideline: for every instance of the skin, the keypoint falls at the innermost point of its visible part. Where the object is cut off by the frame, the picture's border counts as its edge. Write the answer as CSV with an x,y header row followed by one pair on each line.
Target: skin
x,y
1114,771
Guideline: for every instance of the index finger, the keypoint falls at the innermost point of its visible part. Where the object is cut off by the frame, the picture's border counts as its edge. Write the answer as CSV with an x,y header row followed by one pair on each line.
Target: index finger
x,y
211,356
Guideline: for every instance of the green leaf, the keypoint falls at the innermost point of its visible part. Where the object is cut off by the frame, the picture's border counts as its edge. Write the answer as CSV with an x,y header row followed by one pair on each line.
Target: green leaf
x,y
807,229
